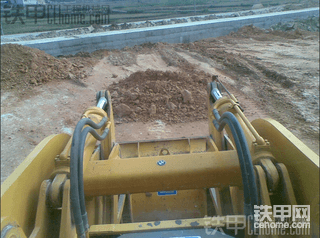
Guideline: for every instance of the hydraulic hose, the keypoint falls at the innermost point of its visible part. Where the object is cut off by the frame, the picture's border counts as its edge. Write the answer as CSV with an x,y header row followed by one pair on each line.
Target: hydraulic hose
x,y
83,137
247,172
74,183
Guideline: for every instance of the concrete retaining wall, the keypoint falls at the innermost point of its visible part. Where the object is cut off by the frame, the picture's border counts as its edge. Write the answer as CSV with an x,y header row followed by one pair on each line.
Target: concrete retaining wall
x,y
178,33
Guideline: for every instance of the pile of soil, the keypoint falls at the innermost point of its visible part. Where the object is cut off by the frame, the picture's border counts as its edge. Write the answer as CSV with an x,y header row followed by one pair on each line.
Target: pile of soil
x,y
22,67
273,34
309,24
156,95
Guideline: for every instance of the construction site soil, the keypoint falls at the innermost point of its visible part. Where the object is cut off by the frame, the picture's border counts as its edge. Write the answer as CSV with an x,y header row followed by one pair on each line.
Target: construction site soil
x,y
159,90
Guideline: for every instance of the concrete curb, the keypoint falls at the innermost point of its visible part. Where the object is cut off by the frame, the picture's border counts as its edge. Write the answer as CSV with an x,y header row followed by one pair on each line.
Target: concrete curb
x,y
178,33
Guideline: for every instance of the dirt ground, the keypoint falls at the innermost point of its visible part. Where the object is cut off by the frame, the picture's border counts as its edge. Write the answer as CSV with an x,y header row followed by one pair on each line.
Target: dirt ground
x,y
158,90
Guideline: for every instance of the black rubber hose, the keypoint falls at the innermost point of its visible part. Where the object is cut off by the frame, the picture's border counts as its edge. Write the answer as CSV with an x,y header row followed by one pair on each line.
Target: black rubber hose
x,y
248,178
217,116
247,155
74,189
245,179
252,195
82,142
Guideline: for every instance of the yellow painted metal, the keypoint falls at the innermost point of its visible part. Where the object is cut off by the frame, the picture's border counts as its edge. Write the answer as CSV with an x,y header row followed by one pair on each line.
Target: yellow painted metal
x,y
99,210
95,114
185,204
95,155
181,172
111,229
114,209
55,190
263,188
128,150
286,188
258,146
271,173
301,162
67,227
264,197
233,104
65,154
41,228
115,152
11,229
165,147
19,192
237,200
154,148
105,209
225,104
198,145
211,146
259,139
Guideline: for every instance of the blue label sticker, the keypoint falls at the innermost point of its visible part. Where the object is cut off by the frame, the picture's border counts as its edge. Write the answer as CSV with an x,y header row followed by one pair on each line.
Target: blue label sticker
x,y
165,193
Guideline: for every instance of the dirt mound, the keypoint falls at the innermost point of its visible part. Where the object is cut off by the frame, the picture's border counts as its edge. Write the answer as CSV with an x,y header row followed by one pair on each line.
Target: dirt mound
x,y
155,95
310,24
278,32
22,67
